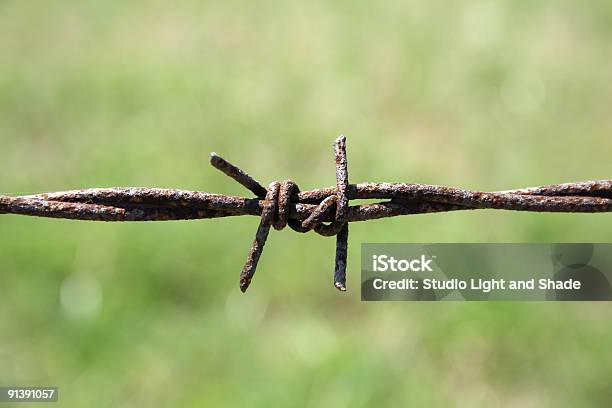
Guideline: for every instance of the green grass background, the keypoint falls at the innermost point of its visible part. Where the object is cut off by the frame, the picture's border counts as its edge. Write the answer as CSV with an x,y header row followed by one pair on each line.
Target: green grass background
x,y
484,95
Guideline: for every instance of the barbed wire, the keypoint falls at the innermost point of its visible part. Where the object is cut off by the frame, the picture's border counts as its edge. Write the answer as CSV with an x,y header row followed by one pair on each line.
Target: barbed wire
x,y
325,211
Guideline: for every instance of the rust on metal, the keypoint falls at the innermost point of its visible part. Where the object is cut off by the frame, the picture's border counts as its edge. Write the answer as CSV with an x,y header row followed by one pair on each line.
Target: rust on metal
x,y
326,210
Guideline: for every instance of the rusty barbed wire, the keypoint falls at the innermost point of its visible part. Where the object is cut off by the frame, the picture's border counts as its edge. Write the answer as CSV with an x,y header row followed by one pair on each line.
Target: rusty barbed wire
x,y
325,210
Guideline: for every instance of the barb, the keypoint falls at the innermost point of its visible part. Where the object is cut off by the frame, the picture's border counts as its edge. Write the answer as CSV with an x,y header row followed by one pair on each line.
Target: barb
x,y
325,210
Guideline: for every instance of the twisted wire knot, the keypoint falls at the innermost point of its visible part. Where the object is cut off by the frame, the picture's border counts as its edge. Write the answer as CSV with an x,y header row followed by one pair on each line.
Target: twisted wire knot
x,y
277,204
277,200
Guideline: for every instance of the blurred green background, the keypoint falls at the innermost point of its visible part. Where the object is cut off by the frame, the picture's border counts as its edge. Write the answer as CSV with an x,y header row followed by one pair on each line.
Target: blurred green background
x,y
484,95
